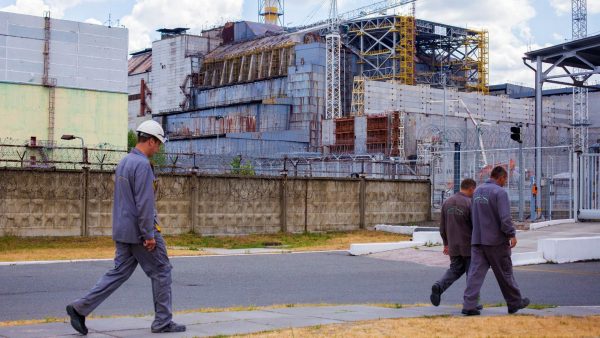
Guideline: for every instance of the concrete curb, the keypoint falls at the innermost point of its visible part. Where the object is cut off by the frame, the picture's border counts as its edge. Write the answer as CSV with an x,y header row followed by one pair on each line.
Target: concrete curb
x,y
528,258
396,229
428,237
370,248
538,225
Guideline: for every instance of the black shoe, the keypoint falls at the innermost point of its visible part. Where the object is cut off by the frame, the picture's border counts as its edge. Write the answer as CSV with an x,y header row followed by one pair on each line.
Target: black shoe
x,y
470,312
77,320
524,304
172,327
436,295
479,307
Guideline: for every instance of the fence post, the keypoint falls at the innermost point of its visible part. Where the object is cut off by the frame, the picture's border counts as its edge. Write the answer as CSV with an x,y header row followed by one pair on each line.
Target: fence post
x,y
283,201
193,201
84,207
362,201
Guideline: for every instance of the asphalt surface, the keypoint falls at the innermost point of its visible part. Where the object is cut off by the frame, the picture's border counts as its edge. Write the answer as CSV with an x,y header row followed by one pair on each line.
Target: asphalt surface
x,y
40,291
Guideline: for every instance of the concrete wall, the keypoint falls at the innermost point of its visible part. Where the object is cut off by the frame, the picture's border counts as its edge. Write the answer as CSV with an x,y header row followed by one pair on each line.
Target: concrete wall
x,y
98,117
61,203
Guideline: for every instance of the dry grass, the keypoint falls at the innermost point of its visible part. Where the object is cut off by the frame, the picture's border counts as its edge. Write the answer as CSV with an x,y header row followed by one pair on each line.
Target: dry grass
x,y
67,248
443,326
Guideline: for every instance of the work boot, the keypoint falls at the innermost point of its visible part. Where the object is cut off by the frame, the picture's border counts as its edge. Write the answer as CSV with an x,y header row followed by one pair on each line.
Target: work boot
x,y
77,320
436,294
172,327
474,312
524,304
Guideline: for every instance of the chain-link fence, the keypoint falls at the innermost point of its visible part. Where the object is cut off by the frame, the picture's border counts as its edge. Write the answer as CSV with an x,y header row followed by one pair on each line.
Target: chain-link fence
x,y
105,159
449,167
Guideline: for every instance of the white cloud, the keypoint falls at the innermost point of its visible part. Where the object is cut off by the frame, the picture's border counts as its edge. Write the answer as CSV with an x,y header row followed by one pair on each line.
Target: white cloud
x,y
508,25
93,21
57,8
564,6
561,6
558,37
31,7
149,15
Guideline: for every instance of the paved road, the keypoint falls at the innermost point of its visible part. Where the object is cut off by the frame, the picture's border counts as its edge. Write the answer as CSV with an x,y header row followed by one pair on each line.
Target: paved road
x,y
39,291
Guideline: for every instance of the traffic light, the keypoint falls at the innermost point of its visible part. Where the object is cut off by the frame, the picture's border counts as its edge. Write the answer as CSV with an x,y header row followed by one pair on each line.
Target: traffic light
x,y
515,134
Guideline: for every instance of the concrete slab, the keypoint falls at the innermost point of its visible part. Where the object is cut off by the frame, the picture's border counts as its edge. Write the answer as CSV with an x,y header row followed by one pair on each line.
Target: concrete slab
x,y
37,331
113,324
279,323
396,229
565,250
528,258
428,237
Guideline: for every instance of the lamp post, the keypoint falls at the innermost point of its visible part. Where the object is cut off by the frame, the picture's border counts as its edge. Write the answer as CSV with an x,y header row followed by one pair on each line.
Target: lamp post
x,y
69,137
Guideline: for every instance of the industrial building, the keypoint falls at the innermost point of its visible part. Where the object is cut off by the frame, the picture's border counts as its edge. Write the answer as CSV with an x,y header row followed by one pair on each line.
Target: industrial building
x,y
62,77
393,88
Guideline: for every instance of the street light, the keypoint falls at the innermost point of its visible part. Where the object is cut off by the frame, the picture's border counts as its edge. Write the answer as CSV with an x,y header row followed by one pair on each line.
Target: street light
x,y
69,137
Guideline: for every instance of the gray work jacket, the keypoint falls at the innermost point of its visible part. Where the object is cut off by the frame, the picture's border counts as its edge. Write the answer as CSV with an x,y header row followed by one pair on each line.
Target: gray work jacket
x,y
455,225
490,211
133,215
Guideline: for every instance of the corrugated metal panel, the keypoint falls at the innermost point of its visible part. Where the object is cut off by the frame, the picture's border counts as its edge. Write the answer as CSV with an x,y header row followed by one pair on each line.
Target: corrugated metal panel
x,y
140,63
82,55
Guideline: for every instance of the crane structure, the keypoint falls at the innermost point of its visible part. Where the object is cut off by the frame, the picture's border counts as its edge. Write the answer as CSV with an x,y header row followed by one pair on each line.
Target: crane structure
x,y
333,98
580,121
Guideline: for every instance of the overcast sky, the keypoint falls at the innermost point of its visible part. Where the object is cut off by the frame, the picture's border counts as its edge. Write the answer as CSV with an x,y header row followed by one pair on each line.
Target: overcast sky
x,y
515,26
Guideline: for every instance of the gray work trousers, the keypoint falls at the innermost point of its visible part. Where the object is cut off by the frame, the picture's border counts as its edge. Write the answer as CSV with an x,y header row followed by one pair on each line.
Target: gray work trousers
x,y
155,264
459,265
498,258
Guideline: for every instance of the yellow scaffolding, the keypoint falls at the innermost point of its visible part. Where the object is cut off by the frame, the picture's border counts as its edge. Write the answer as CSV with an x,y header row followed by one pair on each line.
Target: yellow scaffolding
x,y
483,62
358,97
406,50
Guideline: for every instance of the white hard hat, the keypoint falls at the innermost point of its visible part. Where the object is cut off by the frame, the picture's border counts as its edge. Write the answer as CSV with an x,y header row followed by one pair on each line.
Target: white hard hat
x,y
153,128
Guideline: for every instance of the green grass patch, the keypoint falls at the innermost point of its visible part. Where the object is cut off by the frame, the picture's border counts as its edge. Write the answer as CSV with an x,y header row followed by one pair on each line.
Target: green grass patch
x,y
193,241
541,306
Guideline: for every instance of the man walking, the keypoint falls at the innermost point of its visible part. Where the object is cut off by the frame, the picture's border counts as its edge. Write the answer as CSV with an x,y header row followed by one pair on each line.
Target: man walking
x,y
136,234
455,229
492,240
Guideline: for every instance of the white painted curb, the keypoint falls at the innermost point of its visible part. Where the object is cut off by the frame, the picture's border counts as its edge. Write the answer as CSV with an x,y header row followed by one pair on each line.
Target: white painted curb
x,y
370,248
428,237
534,226
397,229
566,250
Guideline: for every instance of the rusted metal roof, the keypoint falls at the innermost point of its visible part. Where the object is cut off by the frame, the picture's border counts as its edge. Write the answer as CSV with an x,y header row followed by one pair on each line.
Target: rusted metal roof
x,y
140,62
266,42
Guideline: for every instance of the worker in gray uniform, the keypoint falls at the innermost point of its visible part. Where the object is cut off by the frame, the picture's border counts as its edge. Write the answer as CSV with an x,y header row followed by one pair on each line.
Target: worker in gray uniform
x,y
494,236
455,229
136,234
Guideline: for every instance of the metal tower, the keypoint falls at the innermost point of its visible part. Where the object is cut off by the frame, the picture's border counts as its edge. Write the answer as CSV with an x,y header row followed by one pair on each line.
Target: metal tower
x,y
271,12
333,43
580,95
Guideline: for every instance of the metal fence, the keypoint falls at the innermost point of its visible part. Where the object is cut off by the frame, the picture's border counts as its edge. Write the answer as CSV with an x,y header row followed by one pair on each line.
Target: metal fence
x,y
106,159
449,167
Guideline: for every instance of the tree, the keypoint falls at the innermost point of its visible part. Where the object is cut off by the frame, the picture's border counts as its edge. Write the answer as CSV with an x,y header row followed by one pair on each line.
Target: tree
x,y
237,168
159,159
